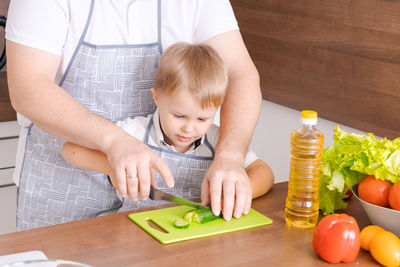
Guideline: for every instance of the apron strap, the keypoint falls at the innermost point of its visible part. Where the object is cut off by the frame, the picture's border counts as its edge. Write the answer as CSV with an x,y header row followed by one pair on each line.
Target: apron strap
x,y
146,138
209,145
159,26
89,18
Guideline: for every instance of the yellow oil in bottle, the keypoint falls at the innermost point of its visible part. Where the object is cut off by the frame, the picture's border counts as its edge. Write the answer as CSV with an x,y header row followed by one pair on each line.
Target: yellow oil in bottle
x,y
306,147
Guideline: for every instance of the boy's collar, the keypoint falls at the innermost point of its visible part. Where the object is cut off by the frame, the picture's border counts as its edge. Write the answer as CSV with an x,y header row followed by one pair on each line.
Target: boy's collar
x,y
159,136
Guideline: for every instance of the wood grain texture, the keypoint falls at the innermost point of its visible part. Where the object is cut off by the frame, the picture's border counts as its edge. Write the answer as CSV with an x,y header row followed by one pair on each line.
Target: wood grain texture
x,y
4,7
340,58
114,240
3,12
7,113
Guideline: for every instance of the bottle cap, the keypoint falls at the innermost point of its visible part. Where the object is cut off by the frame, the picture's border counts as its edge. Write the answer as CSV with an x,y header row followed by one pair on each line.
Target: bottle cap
x,y
309,117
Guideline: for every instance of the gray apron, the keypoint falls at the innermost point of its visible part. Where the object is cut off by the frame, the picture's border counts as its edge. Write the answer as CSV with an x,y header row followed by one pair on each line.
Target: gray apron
x,y
188,171
112,81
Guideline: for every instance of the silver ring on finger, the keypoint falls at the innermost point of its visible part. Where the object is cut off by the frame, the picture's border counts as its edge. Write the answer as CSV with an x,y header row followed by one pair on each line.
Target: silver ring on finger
x,y
132,177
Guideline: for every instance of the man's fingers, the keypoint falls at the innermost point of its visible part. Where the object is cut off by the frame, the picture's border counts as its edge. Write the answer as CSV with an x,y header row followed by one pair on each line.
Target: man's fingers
x,y
240,199
249,199
119,182
132,182
205,193
215,194
162,168
229,198
153,178
144,180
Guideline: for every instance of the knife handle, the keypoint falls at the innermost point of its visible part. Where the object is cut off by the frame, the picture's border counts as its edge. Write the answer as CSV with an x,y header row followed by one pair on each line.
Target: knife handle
x,y
86,158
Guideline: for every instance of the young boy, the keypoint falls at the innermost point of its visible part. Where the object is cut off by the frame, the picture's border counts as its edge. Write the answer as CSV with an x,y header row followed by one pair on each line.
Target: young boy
x,y
190,87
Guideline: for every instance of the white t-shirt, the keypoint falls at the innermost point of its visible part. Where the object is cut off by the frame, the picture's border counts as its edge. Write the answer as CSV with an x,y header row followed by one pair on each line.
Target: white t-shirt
x,y
137,127
55,26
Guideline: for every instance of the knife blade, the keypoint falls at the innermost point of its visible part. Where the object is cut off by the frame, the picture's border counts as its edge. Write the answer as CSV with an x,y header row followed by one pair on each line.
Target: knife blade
x,y
156,194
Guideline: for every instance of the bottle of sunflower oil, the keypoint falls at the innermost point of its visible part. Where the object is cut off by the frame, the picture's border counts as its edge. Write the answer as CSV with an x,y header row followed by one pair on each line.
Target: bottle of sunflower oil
x,y
306,147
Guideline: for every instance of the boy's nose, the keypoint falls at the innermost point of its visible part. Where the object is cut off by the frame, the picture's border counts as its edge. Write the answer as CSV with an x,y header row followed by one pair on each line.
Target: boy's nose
x,y
188,127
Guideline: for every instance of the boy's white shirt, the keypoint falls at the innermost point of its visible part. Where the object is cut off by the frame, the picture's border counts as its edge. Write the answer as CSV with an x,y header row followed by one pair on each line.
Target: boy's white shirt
x,y
137,127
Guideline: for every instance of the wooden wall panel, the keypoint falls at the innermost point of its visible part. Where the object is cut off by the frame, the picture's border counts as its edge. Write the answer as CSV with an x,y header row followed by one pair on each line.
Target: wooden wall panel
x,y
3,12
7,113
339,57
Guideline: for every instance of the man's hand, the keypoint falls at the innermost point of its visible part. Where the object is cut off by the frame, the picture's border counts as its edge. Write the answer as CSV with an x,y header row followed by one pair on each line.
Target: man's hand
x,y
227,186
226,178
135,165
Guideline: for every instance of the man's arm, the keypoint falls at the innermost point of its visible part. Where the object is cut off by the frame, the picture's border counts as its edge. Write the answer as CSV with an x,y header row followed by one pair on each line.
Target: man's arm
x,y
34,94
226,178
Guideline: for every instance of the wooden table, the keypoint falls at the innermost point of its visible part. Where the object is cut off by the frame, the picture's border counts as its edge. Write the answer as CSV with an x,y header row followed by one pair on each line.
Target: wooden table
x,y
114,240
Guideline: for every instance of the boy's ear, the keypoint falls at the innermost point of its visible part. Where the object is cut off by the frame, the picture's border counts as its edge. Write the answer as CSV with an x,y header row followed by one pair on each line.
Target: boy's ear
x,y
154,93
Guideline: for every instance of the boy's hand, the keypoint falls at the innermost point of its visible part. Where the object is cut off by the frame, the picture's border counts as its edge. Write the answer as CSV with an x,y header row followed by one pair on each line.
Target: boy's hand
x,y
134,166
227,186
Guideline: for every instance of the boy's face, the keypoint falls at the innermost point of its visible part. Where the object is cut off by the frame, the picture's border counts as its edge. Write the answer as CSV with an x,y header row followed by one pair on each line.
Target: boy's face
x,y
182,119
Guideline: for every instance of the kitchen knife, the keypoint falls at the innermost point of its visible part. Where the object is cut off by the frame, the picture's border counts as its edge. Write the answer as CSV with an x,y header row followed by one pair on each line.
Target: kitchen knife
x,y
156,194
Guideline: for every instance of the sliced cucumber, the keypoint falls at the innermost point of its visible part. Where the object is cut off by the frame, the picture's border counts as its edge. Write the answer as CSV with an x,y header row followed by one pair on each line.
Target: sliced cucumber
x,y
180,224
200,216
189,215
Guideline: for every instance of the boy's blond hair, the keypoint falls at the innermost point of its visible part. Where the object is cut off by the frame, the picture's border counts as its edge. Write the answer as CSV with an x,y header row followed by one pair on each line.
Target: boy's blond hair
x,y
197,68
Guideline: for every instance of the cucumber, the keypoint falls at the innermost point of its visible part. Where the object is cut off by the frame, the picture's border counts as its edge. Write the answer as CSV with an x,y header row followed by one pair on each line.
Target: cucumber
x,y
180,224
189,215
200,216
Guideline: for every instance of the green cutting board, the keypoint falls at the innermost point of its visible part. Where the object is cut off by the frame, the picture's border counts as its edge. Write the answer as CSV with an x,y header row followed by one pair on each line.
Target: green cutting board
x,y
165,218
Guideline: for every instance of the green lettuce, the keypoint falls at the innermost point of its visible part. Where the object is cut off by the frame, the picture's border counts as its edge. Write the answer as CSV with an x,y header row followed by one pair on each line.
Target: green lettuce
x,y
351,158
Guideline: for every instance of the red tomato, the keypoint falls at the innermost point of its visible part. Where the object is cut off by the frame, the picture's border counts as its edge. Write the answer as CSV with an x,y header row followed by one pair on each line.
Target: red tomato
x,y
337,238
374,191
394,196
